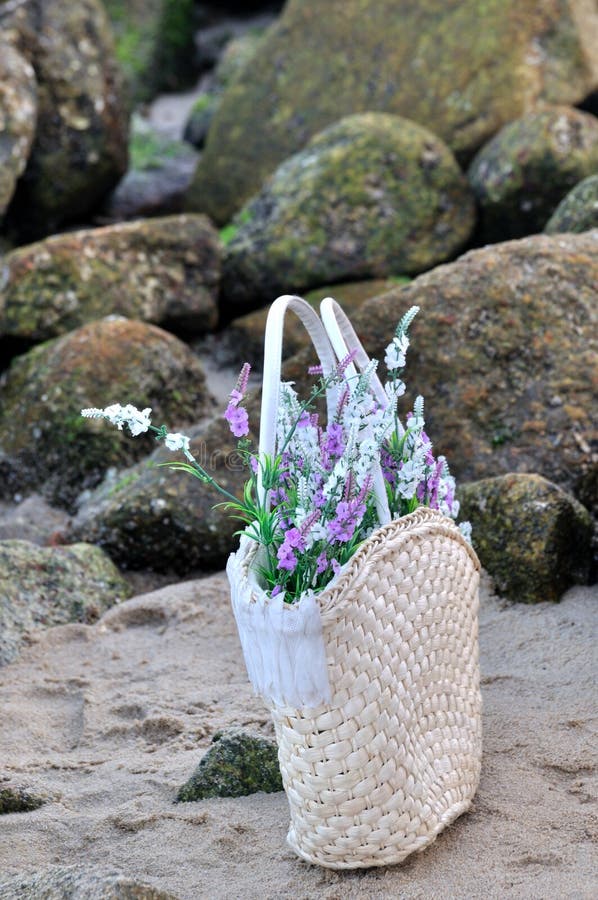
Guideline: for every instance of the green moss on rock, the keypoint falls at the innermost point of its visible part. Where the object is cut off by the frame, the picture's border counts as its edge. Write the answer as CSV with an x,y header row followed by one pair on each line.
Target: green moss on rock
x,y
238,763
372,195
14,800
578,211
154,44
45,444
523,173
461,69
532,537
164,270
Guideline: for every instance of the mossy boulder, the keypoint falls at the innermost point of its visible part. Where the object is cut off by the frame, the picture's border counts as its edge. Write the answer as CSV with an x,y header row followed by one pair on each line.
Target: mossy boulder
x,y
238,763
14,800
504,353
163,270
370,196
150,517
154,44
80,147
44,586
578,211
523,173
18,111
160,171
235,57
244,337
461,69
532,537
46,445
77,883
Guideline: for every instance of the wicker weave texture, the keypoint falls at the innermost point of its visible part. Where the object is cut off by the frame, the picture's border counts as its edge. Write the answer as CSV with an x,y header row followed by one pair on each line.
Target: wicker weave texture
x,y
395,757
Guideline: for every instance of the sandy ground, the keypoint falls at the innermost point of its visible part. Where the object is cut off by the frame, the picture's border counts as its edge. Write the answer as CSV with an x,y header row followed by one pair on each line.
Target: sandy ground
x,y
108,720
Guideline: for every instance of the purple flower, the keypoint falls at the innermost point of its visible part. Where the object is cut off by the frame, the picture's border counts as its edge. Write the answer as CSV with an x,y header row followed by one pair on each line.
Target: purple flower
x,y
286,558
276,590
348,515
336,566
315,370
237,419
304,420
321,563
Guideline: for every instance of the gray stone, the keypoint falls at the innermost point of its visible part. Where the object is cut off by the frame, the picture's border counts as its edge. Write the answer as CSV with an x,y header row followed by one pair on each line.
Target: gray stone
x,y
18,111
578,211
45,586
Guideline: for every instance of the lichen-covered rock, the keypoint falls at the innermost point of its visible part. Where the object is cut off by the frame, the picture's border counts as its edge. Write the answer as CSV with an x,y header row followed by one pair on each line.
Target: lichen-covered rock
x,y
44,586
244,337
371,196
460,69
154,44
235,57
504,352
238,763
16,799
77,883
532,537
150,517
45,444
163,270
80,147
18,110
578,211
523,173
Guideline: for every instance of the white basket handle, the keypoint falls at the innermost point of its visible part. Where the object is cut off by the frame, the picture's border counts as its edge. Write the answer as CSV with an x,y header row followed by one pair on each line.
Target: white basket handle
x,y
344,340
273,364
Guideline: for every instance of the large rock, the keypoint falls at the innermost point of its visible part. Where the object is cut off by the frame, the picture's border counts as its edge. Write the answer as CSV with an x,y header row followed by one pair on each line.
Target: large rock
x,y
44,441
77,883
44,586
531,536
459,69
504,352
150,517
523,173
578,211
80,148
371,196
163,270
154,44
18,111
238,763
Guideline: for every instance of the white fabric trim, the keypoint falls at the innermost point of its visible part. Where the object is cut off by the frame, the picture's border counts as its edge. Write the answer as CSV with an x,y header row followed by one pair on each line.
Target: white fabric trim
x,y
282,643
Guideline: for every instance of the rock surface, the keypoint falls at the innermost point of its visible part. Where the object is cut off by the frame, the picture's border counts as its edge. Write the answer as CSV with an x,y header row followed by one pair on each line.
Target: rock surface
x,y
18,111
237,763
523,173
406,58
504,354
80,148
43,586
110,718
44,441
150,517
578,211
154,44
164,270
371,196
160,171
18,800
77,883
531,536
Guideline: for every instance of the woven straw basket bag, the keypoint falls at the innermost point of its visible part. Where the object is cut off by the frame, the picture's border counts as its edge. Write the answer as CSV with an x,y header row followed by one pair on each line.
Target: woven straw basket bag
x,y
373,684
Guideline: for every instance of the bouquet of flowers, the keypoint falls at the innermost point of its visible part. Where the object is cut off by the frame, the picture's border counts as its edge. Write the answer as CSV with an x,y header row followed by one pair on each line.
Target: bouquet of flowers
x,y
310,505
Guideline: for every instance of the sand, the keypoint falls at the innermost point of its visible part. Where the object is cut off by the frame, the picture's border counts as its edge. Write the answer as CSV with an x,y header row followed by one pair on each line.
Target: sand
x,y
109,720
